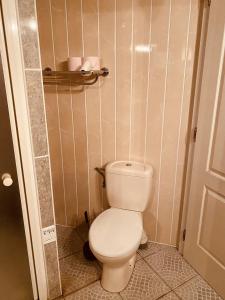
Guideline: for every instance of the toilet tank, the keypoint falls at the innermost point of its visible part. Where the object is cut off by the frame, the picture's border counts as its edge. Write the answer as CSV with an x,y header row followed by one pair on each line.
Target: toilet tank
x,y
128,184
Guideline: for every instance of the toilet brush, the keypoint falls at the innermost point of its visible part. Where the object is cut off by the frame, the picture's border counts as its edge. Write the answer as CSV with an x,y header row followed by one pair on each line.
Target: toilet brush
x,y
86,248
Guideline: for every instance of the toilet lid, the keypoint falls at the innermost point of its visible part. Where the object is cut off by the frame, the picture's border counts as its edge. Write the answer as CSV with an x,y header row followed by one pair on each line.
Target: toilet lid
x,y
116,232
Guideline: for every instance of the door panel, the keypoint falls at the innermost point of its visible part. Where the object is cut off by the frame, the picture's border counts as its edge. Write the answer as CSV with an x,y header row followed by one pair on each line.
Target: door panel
x,y
205,240
15,277
213,203
217,161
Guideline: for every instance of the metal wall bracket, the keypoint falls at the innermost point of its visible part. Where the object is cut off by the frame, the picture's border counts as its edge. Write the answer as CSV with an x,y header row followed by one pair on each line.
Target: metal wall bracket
x,y
73,77
101,171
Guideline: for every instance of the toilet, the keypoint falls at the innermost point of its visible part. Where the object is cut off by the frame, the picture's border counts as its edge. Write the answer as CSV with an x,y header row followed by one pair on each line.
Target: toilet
x,y
116,233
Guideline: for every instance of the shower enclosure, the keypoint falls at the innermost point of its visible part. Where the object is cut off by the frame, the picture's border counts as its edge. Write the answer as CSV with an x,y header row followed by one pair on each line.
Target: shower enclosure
x,y
14,271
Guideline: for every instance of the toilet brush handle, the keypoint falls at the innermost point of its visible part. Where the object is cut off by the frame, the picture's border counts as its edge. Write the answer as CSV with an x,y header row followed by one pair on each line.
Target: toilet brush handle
x,y
87,218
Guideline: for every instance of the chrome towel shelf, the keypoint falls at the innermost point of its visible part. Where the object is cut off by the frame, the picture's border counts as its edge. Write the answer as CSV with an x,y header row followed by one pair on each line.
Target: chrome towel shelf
x,y
72,77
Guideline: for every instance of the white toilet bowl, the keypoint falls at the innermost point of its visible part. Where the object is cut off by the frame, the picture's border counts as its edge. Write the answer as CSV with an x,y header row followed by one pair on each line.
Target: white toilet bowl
x,y
116,234
114,238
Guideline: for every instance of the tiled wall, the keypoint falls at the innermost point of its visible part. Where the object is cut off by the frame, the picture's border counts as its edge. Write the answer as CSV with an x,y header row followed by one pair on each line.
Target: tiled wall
x,y
36,110
139,112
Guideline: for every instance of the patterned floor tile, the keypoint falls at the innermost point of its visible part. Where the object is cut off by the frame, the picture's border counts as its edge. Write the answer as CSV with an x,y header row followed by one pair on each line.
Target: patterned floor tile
x,y
69,241
59,298
138,256
152,248
77,272
171,266
170,296
144,284
197,289
93,292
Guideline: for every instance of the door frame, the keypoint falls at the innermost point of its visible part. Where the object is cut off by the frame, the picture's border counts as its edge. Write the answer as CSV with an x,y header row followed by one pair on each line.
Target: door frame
x,y
202,247
193,118
13,69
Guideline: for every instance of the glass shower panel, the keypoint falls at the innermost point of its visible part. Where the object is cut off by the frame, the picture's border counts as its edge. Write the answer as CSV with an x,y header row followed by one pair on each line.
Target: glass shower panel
x,y
15,280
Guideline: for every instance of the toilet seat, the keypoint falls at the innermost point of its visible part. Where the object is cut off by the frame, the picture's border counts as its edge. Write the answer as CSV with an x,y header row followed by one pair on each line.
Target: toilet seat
x,y
116,233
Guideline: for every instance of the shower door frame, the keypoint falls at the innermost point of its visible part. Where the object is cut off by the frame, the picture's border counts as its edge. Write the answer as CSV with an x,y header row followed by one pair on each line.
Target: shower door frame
x,y
15,84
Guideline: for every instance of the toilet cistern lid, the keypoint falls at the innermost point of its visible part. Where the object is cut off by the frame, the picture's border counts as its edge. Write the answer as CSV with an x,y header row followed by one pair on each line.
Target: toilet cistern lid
x,y
116,232
129,168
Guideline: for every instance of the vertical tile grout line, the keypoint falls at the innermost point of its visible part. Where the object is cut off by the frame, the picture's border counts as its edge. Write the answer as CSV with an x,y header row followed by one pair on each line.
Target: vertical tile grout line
x,y
147,92
49,157
72,114
86,116
131,75
100,100
180,121
115,83
59,126
163,120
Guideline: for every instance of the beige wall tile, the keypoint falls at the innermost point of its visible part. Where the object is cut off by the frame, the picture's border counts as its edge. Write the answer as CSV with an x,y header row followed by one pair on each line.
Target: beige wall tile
x,y
90,22
173,106
51,257
141,27
65,111
51,106
44,190
107,35
123,77
67,140
157,77
81,154
107,90
90,29
94,150
28,31
45,33
37,113
59,28
79,111
74,27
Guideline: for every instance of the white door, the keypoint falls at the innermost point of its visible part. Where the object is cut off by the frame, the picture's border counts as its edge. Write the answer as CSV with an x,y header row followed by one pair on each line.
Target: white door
x,y
205,235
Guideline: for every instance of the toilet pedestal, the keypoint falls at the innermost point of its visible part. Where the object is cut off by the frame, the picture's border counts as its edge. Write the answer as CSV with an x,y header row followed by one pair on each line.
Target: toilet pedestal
x,y
116,277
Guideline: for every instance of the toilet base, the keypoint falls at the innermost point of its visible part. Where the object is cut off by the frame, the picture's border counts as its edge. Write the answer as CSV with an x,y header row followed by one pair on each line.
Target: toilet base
x,y
144,238
115,277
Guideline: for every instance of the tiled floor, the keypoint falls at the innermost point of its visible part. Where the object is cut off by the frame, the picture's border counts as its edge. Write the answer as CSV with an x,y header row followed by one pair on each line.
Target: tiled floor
x,y
160,273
